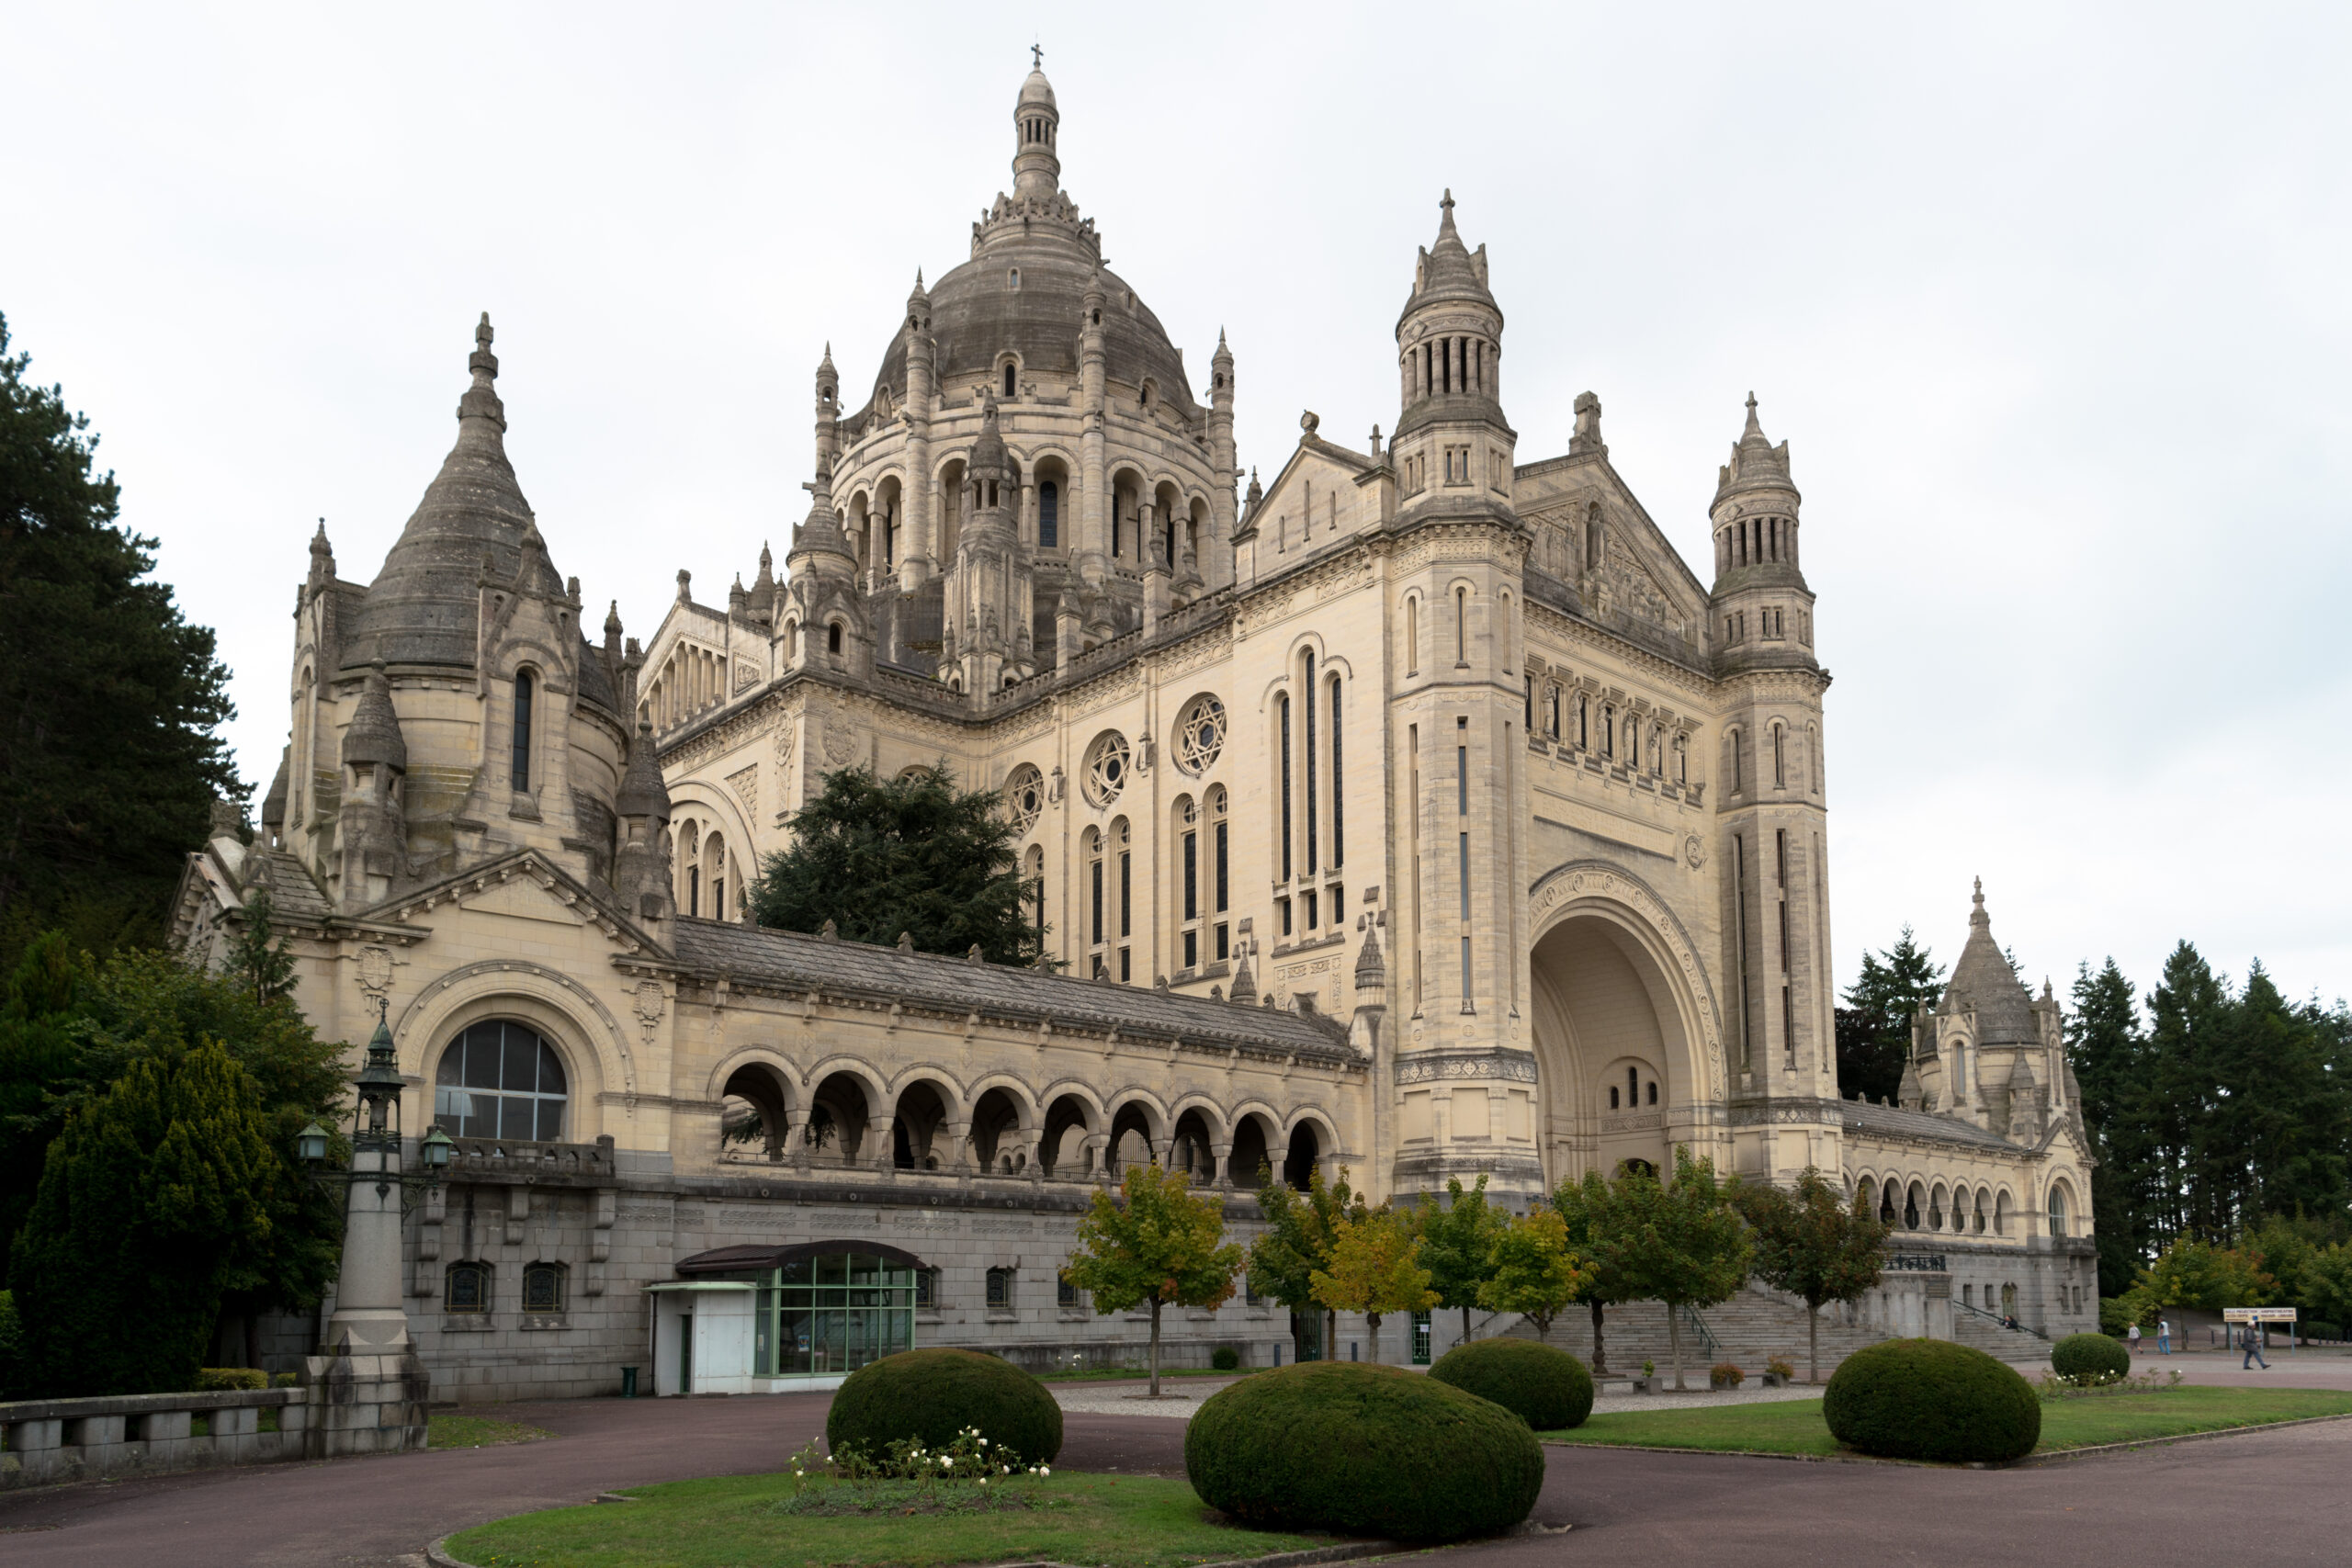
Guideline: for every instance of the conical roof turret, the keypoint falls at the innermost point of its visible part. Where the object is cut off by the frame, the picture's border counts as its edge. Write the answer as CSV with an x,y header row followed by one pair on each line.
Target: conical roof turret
x,y
1449,270
373,737
1983,982
988,450
1756,463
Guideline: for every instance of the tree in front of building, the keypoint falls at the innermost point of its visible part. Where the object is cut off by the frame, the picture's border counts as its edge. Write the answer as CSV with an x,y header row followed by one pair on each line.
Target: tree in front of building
x,y
1593,1215
1374,1269
1532,1270
111,702
1458,1245
1810,1242
1301,1228
157,1202
70,1028
2193,1272
1679,1243
1157,1244
1874,1027
912,854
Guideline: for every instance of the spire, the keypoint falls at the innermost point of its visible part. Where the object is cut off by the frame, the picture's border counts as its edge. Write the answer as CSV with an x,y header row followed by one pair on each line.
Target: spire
x,y
481,401
763,585
322,557
1036,134
613,622
1445,221
1753,428
1977,919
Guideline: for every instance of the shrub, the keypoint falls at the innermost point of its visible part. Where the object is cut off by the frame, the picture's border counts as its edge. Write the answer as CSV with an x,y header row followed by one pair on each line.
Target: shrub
x,y
2089,1358
1225,1359
1780,1367
2316,1329
930,1395
1933,1399
1547,1389
1362,1450
222,1380
1725,1374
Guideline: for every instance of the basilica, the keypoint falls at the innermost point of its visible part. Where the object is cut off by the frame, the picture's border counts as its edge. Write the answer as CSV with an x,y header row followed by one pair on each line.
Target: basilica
x,y
1415,811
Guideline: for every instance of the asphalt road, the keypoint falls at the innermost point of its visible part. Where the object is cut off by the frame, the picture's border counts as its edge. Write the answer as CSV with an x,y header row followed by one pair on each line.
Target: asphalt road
x,y
2261,1499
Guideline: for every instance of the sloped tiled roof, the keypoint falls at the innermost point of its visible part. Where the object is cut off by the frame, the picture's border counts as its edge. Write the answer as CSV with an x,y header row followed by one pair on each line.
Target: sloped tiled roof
x,y
1888,1120
789,959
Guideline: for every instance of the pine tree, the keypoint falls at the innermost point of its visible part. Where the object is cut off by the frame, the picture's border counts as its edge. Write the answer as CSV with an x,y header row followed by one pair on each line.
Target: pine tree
x,y
914,855
111,702
2192,1187
1458,1245
156,1203
1875,1027
2109,1056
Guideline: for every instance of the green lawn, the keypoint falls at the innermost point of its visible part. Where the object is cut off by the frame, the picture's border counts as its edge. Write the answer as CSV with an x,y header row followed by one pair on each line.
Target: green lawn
x,y
1118,1521
1794,1427
444,1431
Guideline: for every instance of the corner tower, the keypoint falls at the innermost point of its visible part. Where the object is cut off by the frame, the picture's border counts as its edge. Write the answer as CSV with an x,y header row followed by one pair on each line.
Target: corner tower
x,y
1453,447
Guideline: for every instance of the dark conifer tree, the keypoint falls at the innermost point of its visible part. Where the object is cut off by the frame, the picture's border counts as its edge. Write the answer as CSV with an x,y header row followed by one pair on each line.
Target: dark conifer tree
x,y
109,701
913,854
2110,1060
1874,1027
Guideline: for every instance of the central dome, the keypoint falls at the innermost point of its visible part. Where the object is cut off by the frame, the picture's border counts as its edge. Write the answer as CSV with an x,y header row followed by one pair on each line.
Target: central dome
x,y
1023,291
1027,299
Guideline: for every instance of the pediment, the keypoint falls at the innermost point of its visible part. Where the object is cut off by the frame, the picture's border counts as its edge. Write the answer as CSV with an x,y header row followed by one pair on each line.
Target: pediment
x,y
525,886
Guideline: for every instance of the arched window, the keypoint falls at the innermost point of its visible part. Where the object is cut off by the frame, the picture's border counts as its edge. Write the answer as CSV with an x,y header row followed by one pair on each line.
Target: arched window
x,y
524,686
543,1288
1461,626
2057,1209
1282,749
1049,516
465,1287
1413,635
1911,1208
1220,881
1612,1096
500,1079
1632,1087
1607,730
1734,761
1584,723
1650,1089
1008,370
1339,809
1779,756
833,637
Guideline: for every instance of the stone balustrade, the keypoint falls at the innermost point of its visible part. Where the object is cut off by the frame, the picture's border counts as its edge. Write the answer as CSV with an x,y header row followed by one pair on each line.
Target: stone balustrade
x,y
48,1441
528,1159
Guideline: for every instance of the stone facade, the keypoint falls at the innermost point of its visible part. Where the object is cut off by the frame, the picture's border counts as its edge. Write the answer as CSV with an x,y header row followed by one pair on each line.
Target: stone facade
x,y
1421,812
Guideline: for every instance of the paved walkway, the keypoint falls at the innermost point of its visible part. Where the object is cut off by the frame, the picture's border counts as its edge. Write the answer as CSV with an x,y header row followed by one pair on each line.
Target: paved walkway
x,y
1179,1398
2256,1499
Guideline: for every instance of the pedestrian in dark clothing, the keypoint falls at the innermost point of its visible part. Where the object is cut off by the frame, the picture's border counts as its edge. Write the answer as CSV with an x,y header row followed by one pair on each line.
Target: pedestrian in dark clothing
x,y
2253,1350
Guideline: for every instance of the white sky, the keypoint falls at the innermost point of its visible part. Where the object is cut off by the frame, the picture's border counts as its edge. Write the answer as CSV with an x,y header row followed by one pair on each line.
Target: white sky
x,y
2047,299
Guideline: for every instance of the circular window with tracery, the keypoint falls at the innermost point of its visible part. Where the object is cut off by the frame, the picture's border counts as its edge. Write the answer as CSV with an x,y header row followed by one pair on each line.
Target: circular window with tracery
x,y
1199,735
1024,798
1106,768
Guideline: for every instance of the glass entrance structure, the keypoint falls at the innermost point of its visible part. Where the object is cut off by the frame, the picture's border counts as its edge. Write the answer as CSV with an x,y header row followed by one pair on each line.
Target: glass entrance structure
x,y
820,1308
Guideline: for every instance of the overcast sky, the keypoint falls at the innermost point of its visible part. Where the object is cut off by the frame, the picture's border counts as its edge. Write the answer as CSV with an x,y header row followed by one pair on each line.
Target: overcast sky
x,y
2049,302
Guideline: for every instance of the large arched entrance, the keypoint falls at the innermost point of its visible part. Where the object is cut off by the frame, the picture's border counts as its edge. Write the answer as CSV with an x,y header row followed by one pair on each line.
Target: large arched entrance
x,y
1617,1029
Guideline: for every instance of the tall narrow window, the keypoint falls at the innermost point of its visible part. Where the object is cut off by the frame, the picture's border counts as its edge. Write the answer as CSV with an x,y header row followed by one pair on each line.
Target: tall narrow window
x,y
1739,936
1788,1031
1338,826
1282,745
1779,758
1049,516
694,892
1094,878
524,686
1191,875
1735,763
1412,636
1312,800
1126,891
1462,780
1007,369
1461,626
1466,875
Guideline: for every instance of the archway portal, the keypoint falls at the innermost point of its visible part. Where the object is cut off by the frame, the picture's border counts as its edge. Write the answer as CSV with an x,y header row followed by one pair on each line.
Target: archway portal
x,y
1610,1049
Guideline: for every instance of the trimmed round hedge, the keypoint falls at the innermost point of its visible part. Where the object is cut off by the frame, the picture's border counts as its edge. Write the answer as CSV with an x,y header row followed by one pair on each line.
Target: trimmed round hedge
x,y
933,1394
1933,1399
2090,1356
1365,1450
1547,1389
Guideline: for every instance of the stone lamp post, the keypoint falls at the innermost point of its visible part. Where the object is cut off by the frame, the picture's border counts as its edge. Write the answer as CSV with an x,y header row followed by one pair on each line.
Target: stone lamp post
x,y
368,1386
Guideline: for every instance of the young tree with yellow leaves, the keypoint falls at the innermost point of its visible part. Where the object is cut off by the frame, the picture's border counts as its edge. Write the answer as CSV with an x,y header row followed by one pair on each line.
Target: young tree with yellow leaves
x,y
1537,1272
1158,1242
1374,1269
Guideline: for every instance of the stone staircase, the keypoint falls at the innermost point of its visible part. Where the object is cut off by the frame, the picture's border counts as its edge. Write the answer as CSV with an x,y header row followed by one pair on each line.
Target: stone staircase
x,y
1754,1325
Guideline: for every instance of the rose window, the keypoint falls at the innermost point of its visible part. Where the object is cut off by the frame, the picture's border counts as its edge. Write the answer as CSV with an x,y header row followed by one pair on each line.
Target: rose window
x,y
1106,768
1024,798
1199,735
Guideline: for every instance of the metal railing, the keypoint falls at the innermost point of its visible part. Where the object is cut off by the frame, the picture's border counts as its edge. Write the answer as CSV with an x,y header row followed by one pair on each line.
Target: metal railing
x,y
1997,1321
1692,1321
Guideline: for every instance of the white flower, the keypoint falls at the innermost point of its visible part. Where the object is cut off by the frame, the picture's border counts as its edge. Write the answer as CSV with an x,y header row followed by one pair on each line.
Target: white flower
x,y
945,1462
1045,1470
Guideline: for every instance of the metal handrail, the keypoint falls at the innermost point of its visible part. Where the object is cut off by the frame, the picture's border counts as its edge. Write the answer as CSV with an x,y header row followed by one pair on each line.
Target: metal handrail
x,y
1706,1335
2000,1322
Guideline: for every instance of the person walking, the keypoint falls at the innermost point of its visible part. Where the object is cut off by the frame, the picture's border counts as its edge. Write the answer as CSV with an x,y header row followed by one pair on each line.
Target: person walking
x,y
2133,1333
2253,1350
2164,1337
